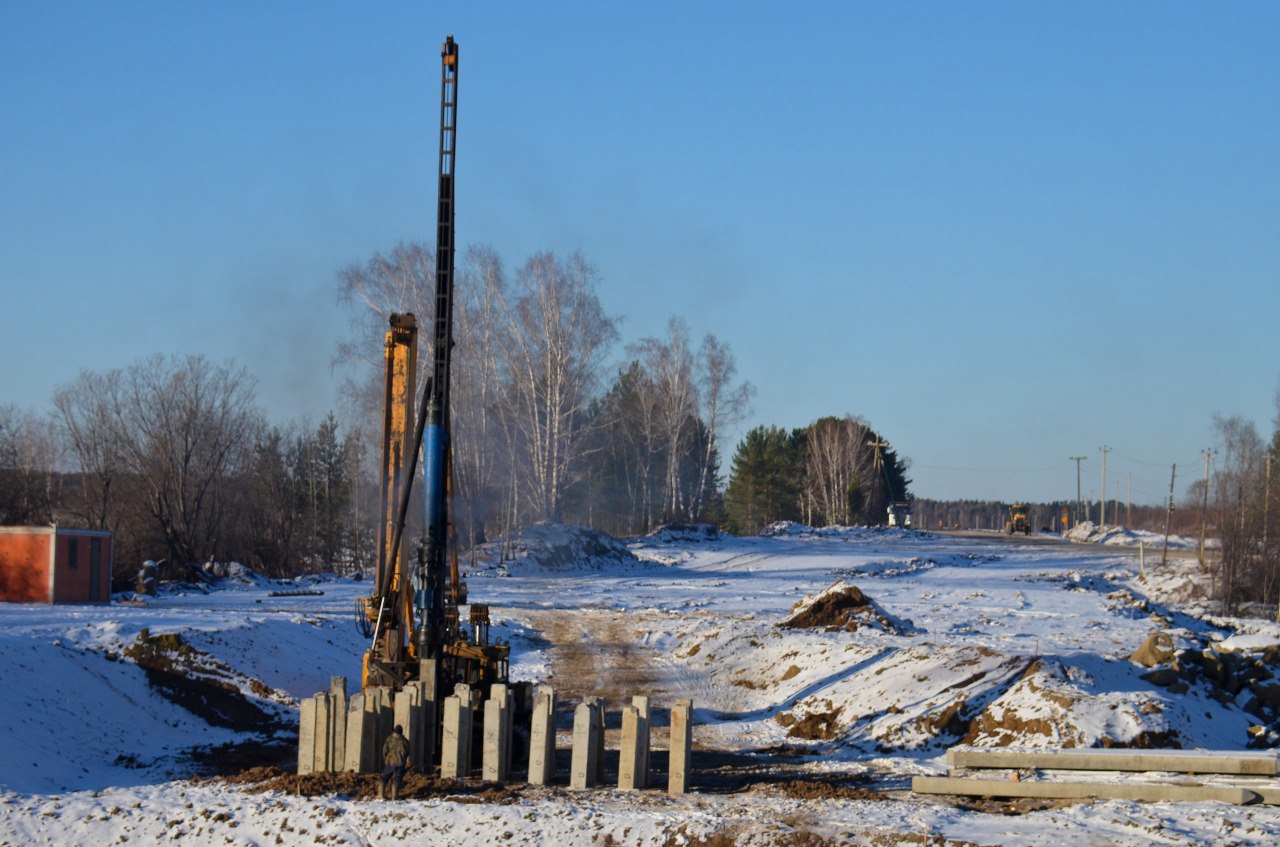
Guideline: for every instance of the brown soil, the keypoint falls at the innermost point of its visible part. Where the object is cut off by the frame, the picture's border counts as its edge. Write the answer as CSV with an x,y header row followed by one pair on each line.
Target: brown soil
x,y
596,652
190,679
1147,740
832,610
364,786
803,789
816,726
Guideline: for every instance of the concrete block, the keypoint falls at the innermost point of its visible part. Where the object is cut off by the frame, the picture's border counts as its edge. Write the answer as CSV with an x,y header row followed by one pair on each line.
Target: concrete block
x,y
386,719
307,736
680,747
496,754
1146,792
455,752
422,741
597,703
338,730
1119,759
542,737
587,731
630,758
356,733
371,743
641,704
338,686
405,713
323,735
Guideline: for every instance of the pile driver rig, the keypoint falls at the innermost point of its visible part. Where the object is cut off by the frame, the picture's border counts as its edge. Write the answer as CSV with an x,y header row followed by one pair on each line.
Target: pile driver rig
x,y
412,617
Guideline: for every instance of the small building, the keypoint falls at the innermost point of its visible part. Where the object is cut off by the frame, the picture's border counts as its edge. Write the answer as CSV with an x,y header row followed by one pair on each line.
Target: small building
x,y
54,564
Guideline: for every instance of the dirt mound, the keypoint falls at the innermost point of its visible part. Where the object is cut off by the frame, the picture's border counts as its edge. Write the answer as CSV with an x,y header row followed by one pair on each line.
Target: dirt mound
x,y
810,789
200,684
843,606
364,786
815,726
551,548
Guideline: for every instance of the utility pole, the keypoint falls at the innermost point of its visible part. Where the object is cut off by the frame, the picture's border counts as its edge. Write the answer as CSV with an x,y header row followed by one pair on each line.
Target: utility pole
x,y
1128,504
1079,501
1204,503
1168,514
1102,492
878,444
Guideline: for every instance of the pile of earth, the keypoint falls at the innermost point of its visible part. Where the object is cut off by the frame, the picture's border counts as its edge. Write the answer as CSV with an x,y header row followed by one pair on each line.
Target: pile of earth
x,y
1236,678
551,548
683,533
843,606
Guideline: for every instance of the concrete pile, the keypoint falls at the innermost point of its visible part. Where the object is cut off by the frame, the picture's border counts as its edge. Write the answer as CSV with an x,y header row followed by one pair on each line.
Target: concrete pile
x,y
341,733
1224,762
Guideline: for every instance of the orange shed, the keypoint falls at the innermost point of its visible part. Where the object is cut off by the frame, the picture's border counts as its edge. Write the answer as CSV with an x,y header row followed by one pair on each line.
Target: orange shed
x,y
53,564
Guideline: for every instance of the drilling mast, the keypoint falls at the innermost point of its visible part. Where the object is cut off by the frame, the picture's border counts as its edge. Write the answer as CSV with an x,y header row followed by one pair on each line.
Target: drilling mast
x,y
413,622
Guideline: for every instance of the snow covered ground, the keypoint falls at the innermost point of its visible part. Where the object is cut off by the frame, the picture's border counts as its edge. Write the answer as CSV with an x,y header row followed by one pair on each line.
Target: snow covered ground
x,y
959,640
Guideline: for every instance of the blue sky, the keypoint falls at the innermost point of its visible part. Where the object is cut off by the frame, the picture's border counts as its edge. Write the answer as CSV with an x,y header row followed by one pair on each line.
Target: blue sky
x,y
1005,233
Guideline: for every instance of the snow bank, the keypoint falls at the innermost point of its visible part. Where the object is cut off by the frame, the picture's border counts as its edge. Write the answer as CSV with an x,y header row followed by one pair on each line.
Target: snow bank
x,y
550,548
1087,532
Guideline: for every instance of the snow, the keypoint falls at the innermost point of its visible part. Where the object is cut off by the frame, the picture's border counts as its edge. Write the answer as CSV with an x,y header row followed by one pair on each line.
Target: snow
x,y
1001,642
1087,532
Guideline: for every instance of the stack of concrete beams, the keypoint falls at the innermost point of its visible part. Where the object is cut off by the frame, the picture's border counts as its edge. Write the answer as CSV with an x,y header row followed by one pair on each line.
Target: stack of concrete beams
x,y
341,733
1223,762
346,733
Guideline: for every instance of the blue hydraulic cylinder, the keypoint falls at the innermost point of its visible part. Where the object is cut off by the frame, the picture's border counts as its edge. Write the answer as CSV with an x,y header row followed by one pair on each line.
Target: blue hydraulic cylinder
x,y
433,484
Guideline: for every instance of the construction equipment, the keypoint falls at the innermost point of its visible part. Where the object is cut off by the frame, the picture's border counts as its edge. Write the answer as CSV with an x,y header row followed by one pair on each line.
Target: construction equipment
x,y
900,514
412,617
1018,520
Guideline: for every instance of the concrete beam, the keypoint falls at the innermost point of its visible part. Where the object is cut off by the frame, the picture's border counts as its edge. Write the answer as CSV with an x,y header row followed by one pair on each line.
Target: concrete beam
x,y
357,734
542,737
324,734
455,752
588,733
338,729
1116,759
1146,792
630,756
597,703
680,747
307,736
641,704
496,754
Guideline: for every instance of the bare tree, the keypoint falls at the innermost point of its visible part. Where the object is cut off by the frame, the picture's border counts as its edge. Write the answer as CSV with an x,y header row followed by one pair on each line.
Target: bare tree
x,y
724,404
183,426
1238,488
84,410
557,338
668,363
29,455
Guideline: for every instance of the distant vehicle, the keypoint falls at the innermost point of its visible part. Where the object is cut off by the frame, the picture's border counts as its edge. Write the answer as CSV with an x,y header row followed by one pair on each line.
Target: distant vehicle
x,y
900,515
1018,520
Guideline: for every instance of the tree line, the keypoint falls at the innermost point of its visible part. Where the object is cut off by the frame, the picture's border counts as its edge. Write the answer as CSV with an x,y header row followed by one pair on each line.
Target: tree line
x,y
837,471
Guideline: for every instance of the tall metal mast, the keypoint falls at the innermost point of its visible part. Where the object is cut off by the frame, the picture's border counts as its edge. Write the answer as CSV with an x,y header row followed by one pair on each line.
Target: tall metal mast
x,y
435,444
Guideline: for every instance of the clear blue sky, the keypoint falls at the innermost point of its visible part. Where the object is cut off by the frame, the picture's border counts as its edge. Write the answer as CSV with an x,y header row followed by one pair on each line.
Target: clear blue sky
x,y
1005,233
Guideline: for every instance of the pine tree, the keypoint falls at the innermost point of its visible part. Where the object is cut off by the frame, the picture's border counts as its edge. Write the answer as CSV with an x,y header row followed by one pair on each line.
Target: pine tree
x,y
763,483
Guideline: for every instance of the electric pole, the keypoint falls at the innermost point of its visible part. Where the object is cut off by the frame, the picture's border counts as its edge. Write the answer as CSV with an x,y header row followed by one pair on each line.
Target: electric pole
x,y
1128,503
1204,502
1102,493
1077,460
1168,514
878,444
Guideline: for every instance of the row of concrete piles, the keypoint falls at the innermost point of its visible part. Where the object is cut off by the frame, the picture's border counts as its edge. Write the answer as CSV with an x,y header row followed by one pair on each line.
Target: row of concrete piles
x,y
341,733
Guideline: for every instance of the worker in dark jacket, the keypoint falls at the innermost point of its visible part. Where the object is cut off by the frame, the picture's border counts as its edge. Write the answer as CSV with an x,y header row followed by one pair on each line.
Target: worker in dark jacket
x,y
395,760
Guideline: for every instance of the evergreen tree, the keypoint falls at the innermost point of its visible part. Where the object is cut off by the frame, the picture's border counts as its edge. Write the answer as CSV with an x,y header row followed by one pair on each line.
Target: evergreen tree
x,y
763,483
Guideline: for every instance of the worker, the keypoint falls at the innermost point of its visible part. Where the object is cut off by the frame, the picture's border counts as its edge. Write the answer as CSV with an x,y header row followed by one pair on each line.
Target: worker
x,y
395,761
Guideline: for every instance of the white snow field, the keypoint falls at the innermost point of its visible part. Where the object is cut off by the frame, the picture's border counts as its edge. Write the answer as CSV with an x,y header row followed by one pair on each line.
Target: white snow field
x,y
806,734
